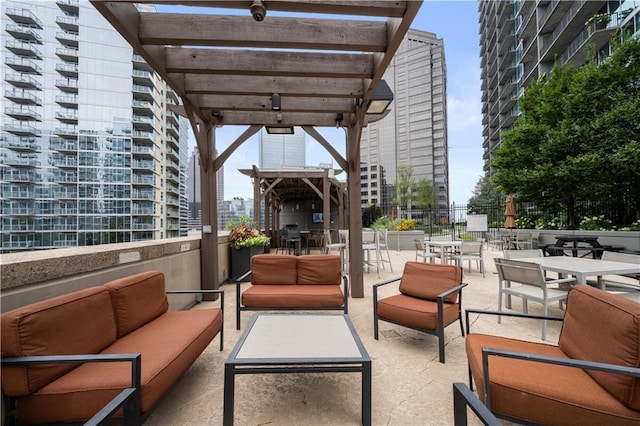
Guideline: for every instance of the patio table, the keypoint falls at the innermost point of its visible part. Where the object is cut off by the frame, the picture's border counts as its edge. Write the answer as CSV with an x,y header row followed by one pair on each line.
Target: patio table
x,y
444,246
581,267
298,343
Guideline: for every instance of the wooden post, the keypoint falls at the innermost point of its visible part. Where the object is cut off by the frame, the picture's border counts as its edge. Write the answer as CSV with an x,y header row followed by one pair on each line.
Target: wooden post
x,y
356,279
209,244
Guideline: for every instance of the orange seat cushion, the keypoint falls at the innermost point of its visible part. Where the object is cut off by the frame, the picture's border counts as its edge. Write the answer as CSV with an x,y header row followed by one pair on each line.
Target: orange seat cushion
x,y
415,312
603,327
138,299
542,393
319,269
274,269
81,322
293,296
428,280
169,345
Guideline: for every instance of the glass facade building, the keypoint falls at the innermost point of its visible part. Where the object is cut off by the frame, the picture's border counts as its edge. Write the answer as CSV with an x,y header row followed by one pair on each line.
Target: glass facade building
x,y
522,40
415,131
90,152
282,151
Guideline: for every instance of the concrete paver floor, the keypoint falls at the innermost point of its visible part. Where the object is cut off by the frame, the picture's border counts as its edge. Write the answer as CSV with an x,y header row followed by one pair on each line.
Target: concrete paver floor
x,y
410,386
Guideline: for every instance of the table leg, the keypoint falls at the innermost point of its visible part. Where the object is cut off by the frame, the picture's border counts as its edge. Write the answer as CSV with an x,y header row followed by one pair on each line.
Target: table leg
x,y
366,393
229,385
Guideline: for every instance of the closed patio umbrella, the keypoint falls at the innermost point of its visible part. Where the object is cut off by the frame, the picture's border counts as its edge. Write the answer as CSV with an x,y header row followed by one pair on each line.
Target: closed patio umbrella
x,y
510,213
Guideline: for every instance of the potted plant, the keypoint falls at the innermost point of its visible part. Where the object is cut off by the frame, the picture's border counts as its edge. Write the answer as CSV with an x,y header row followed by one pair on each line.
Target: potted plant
x,y
245,241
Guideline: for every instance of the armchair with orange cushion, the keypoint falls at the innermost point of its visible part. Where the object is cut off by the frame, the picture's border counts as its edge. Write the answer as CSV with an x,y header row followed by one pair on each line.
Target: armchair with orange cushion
x,y
590,377
429,299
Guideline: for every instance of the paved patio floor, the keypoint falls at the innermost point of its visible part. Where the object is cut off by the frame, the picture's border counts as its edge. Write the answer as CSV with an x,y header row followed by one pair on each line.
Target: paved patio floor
x,y
410,386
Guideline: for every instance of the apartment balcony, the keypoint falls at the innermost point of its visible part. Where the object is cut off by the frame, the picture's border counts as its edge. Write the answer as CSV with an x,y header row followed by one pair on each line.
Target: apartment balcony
x,y
143,78
172,97
23,33
67,69
67,211
23,65
172,118
68,38
140,64
21,210
65,227
172,177
23,113
68,23
20,144
63,193
137,194
142,211
22,97
144,180
23,81
64,161
15,159
143,137
11,192
143,93
67,85
68,54
173,201
21,225
69,117
19,128
172,166
143,165
66,131
63,145
63,177
24,17
143,123
69,6
67,101
172,140
142,107
142,226
20,176
143,151
20,48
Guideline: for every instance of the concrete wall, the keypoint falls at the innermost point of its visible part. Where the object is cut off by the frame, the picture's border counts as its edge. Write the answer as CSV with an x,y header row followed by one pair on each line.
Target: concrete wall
x,y
39,275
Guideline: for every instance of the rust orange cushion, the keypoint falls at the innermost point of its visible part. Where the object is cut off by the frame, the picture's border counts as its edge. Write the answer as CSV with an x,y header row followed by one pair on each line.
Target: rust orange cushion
x,y
428,280
138,299
293,296
319,269
416,312
81,322
542,393
604,327
273,269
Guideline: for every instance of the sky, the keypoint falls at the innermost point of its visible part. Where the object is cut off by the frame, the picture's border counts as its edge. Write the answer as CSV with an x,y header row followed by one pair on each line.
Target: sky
x,y
456,22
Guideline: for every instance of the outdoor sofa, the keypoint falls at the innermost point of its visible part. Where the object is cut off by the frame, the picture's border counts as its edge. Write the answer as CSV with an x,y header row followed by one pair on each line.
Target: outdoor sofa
x,y
287,282
590,377
59,356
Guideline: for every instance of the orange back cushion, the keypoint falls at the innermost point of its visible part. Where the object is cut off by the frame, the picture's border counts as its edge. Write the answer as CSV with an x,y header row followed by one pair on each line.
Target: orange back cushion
x,y
320,269
273,269
603,327
428,280
138,299
81,322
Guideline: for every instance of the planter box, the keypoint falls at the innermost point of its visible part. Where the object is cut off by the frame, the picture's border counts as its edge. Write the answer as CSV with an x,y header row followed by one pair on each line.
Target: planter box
x,y
241,260
403,239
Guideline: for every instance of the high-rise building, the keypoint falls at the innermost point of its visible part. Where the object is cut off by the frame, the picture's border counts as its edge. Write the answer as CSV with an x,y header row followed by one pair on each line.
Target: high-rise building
x,y
194,195
90,152
279,151
522,40
415,132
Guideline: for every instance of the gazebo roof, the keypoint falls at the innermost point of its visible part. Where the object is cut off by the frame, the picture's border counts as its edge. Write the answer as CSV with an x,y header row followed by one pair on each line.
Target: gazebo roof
x,y
296,184
322,57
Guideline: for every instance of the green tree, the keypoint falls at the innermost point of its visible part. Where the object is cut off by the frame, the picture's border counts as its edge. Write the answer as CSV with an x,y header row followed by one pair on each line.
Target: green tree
x,y
484,194
425,195
405,185
578,136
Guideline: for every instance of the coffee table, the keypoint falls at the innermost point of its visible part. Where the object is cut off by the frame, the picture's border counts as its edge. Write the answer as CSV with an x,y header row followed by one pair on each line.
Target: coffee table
x,y
298,343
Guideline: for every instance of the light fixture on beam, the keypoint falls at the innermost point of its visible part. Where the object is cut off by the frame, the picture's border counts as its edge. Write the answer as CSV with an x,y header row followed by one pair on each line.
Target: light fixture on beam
x,y
381,98
279,130
275,102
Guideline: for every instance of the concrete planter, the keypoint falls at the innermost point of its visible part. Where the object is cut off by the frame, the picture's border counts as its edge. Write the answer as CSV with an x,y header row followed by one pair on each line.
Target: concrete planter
x,y
404,239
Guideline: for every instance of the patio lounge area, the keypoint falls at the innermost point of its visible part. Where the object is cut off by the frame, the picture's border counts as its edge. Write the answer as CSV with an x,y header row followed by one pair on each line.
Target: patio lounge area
x,y
409,385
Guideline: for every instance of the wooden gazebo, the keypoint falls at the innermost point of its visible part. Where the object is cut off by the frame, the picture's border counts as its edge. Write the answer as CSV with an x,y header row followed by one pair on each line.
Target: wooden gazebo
x,y
246,63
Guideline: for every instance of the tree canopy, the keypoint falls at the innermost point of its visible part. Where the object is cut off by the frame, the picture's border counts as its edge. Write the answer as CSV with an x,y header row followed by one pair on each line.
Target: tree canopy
x,y
578,136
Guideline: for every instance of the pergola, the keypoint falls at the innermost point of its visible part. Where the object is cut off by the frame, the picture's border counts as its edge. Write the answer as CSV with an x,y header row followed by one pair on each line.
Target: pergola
x,y
319,64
